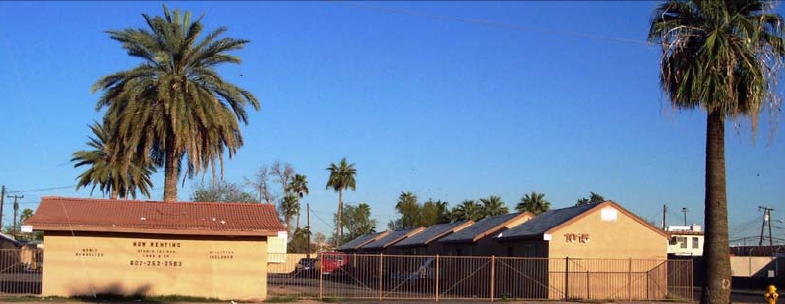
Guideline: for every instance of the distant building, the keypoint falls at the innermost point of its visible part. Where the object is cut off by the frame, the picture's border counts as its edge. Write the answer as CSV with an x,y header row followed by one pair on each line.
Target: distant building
x,y
355,244
685,240
124,247
381,244
426,242
477,239
573,240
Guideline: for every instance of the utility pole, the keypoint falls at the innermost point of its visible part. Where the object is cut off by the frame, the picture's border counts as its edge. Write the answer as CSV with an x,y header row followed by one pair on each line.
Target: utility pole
x,y
308,227
766,218
2,200
664,211
16,207
684,210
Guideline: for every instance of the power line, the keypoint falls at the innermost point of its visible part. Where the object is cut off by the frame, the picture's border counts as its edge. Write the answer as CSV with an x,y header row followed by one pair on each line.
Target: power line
x,y
487,23
43,189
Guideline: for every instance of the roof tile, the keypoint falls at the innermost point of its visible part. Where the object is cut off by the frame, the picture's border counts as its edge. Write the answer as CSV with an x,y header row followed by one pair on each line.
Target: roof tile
x,y
189,218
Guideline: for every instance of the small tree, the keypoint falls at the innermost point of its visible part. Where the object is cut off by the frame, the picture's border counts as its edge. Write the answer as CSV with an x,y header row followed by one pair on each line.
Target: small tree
x,y
220,191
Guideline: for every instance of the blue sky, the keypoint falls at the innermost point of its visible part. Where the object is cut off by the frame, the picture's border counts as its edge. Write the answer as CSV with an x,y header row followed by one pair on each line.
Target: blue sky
x,y
449,100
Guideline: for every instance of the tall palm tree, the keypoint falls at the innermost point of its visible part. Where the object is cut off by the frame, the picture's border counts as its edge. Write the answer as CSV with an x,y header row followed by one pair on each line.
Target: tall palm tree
x,y
722,57
109,172
299,186
174,106
493,206
533,202
409,209
289,208
341,178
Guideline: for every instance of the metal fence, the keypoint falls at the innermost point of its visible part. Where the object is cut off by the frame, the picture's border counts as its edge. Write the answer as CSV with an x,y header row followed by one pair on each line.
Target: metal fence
x,y
361,276
21,271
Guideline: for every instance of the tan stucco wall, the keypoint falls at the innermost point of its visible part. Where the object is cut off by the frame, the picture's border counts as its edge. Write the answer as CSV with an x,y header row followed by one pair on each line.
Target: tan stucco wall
x,y
623,238
639,251
210,267
751,266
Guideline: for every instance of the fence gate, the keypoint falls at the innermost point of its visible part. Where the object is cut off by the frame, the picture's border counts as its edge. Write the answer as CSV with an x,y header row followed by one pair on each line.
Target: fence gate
x,y
21,271
379,277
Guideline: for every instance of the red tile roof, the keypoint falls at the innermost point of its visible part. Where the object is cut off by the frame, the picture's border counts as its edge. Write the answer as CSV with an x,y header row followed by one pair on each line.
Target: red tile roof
x,y
182,218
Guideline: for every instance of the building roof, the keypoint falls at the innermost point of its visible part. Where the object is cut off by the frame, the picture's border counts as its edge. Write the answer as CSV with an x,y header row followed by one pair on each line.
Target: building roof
x,y
552,219
483,228
546,221
361,241
180,218
10,239
391,238
432,233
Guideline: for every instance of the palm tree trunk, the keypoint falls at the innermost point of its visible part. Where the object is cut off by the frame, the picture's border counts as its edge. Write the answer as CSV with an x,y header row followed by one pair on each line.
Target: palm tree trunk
x,y
340,224
298,213
114,194
716,251
170,174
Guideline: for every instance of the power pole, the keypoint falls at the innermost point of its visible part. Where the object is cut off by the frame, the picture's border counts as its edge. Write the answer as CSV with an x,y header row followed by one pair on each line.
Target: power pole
x,y
766,218
684,210
664,211
16,207
2,200
308,227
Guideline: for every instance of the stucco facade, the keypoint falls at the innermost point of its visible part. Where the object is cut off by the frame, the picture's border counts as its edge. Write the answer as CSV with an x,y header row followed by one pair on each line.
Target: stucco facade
x,y
209,267
595,252
210,250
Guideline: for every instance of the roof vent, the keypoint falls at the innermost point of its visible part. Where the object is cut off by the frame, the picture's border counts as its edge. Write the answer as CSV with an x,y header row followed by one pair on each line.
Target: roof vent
x,y
143,218
223,222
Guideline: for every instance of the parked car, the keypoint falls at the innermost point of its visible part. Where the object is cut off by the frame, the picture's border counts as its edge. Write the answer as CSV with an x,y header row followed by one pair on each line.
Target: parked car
x,y
424,271
306,264
332,261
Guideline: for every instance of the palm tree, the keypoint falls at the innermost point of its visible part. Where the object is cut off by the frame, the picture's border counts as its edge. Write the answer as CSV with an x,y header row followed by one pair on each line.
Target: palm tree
x,y
467,210
593,198
174,106
493,206
26,214
289,208
341,178
109,172
533,202
409,209
722,57
299,186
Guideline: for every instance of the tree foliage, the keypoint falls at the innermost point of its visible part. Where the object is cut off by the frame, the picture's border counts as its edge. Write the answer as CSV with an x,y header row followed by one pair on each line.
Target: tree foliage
x,y
116,176
357,221
593,198
493,206
174,107
221,191
533,202
467,210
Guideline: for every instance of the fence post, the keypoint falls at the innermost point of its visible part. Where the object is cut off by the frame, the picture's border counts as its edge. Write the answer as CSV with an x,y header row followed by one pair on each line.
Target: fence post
x,y
493,274
629,280
320,257
436,275
566,277
381,275
588,286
